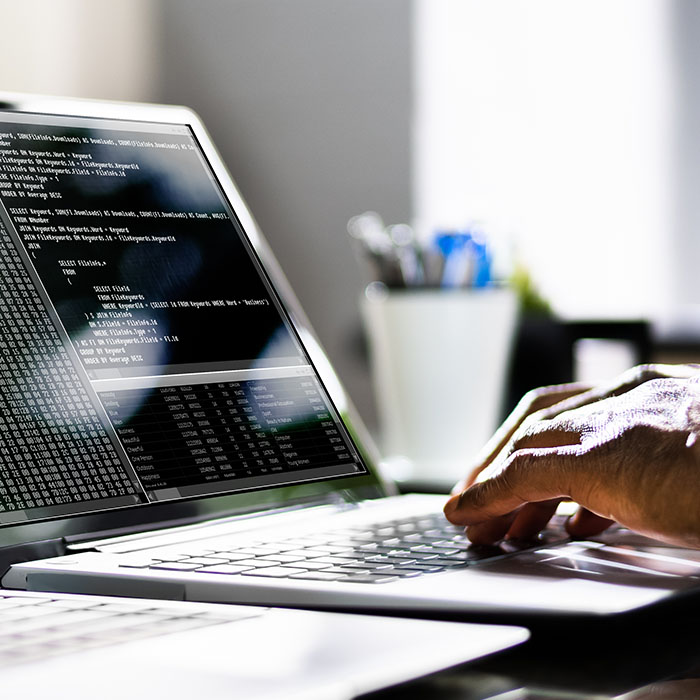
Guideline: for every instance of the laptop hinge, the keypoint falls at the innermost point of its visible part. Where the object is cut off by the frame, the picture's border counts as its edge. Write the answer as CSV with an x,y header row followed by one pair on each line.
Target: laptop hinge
x,y
16,554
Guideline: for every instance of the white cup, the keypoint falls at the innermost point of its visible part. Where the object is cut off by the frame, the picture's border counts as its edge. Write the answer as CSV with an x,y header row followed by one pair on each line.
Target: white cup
x,y
439,361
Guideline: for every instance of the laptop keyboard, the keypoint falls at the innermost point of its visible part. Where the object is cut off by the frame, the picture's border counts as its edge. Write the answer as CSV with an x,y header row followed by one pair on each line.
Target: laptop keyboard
x,y
385,552
38,627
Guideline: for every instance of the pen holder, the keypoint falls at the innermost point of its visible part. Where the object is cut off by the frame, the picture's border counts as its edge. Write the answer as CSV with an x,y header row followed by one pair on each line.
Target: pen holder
x,y
439,361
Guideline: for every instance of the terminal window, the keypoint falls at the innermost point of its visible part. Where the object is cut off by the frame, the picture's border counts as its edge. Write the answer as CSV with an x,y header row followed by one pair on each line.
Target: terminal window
x,y
172,331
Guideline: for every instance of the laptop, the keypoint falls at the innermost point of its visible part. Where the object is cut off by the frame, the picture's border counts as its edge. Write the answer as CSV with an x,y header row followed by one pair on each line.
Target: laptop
x,y
171,428
68,645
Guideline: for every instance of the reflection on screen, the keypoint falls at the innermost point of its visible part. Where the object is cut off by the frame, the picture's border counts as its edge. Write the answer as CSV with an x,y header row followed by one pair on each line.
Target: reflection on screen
x,y
193,378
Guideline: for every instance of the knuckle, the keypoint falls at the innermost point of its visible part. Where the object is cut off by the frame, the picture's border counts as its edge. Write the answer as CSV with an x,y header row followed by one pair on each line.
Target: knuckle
x,y
646,372
529,401
634,377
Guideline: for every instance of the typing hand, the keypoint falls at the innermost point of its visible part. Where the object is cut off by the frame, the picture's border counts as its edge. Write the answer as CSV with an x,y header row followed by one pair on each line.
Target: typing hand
x,y
625,452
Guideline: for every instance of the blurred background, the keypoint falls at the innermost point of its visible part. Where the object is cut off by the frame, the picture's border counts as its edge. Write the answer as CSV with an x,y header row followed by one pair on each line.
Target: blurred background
x,y
566,127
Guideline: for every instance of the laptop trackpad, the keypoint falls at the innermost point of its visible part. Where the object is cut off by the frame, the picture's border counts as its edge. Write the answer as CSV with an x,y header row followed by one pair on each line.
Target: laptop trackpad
x,y
598,559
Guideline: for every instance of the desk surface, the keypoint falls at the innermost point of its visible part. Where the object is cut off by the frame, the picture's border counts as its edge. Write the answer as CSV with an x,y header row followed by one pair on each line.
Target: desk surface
x,y
657,660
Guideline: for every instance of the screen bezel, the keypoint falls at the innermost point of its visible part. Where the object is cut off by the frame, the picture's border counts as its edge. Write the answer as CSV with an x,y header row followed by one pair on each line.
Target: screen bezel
x,y
156,515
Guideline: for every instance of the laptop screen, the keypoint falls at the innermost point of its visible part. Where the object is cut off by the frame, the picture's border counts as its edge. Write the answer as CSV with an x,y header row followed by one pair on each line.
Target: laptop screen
x,y
144,354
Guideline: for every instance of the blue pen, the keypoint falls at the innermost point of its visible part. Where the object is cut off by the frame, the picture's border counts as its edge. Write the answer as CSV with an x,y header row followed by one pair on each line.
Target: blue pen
x,y
457,256
482,263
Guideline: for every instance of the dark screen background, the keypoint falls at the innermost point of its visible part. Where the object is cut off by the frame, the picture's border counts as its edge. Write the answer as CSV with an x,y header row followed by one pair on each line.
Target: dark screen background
x,y
138,253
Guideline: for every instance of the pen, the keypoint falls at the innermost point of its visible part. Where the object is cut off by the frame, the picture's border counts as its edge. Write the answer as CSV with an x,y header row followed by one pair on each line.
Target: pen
x,y
452,259
376,246
458,268
482,264
408,255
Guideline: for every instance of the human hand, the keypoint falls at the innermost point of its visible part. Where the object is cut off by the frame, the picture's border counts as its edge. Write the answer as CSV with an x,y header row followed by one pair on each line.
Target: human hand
x,y
626,452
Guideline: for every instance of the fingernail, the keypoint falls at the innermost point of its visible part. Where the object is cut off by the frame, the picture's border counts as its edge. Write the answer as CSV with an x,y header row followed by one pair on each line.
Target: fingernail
x,y
569,523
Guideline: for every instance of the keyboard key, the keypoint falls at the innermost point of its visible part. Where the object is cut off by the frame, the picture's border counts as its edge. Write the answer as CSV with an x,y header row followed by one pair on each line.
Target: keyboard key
x,y
383,559
452,563
370,578
368,566
231,557
417,556
442,552
159,556
175,566
363,535
437,532
332,561
137,562
348,543
313,565
279,546
224,569
284,558
427,568
377,549
205,561
390,541
274,572
451,544
420,538
385,531
257,563
331,549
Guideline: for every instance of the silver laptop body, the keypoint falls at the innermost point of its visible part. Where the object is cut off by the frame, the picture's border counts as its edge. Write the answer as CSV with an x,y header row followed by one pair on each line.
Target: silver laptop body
x,y
71,645
172,428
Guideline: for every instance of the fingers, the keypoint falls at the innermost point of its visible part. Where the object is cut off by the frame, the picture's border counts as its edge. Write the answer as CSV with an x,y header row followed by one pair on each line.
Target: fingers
x,y
492,530
540,434
545,434
537,456
586,524
546,396
532,519
528,476
481,502
534,401
523,524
